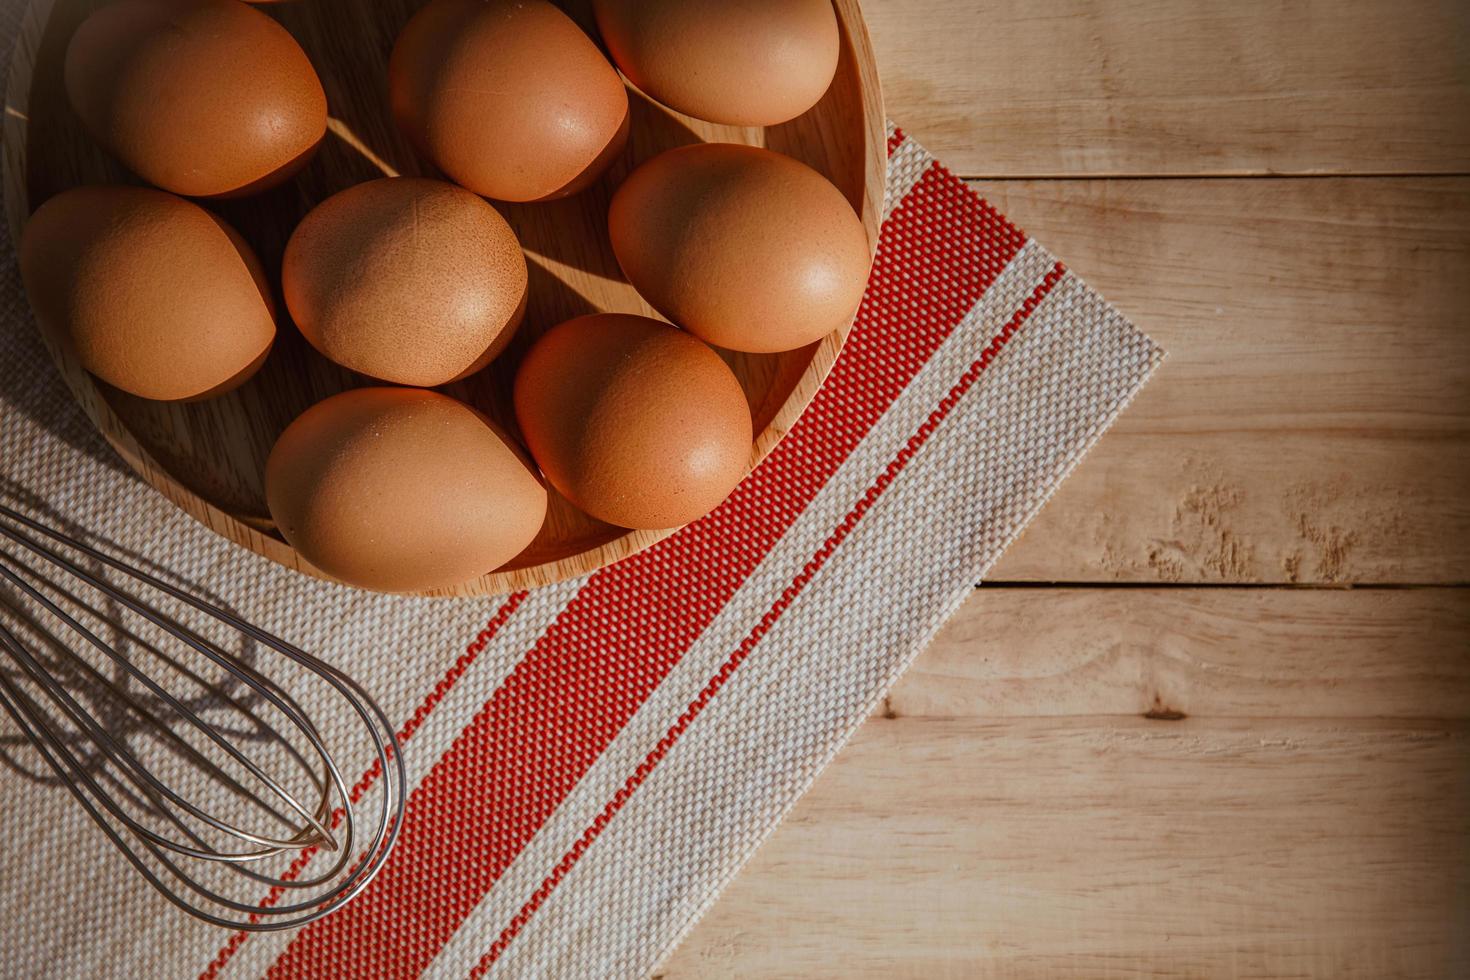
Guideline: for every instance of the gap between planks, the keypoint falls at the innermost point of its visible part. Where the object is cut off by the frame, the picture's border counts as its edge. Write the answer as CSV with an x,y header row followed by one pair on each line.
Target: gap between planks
x,y
1213,175
1243,586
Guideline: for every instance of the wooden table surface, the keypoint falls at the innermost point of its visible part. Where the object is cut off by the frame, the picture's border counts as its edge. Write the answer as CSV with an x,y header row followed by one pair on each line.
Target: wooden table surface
x,y
1210,716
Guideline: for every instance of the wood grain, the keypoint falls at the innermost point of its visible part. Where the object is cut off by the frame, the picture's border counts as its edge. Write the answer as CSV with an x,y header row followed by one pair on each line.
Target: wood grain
x,y
1312,423
1025,807
1186,782
1149,87
209,457
1180,782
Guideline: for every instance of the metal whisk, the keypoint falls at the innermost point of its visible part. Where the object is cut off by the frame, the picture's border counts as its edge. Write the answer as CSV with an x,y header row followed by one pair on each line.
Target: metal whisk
x,y
150,705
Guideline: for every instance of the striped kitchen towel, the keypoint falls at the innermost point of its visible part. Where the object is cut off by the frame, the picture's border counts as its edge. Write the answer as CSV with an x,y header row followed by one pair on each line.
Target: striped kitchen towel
x,y
589,763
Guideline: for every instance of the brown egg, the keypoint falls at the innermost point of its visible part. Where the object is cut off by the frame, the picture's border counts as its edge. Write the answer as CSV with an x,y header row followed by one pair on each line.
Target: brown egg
x,y
204,98
153,294
507,97
752,63
413,281
745,248
402,490
636,422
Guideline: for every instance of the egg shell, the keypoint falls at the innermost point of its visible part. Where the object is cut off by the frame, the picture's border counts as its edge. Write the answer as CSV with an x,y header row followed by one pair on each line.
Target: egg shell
x,y
752,63
636,422
402,490
150,292
745,248
205,98
507,97
409,280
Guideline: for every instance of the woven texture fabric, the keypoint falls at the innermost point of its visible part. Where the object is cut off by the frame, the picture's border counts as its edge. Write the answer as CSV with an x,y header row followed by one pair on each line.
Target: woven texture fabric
x,y
589,763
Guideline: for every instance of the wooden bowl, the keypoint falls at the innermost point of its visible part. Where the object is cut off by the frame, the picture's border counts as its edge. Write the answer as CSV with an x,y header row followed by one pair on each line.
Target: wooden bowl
x,y
209,457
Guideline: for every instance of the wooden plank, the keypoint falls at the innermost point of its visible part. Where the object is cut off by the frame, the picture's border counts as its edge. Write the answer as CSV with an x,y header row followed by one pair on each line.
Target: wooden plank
x,y
1312,423
1014,813
1146,87
1267,654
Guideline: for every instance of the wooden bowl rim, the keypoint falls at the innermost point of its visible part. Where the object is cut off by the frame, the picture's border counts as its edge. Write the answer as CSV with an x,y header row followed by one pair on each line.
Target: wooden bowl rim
x,y
17,207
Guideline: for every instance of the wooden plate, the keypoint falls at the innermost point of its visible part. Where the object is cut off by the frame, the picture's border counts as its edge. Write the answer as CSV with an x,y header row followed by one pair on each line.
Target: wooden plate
x,y
209,458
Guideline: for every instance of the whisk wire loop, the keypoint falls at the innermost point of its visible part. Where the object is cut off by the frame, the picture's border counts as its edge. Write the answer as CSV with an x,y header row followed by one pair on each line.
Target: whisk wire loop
x,y
181,845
